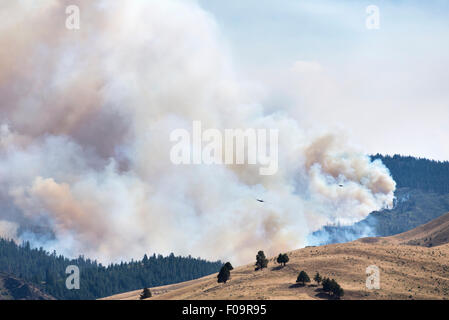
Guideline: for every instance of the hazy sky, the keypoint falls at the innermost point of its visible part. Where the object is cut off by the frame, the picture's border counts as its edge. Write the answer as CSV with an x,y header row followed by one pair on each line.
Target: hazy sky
x,y
389,88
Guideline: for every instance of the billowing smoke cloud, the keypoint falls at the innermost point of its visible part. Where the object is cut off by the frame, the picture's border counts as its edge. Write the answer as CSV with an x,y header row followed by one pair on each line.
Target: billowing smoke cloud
x,y
85,119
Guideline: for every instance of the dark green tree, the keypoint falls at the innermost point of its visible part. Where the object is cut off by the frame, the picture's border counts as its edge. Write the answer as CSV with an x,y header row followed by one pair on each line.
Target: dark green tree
x,y
229,266
49,278
146,293
303,277
225,273
332,288
337,290
317,278
282,259
261,260
326,285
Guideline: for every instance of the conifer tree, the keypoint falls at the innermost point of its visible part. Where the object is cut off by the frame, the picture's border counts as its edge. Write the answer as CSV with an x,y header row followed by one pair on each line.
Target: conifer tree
x,y
303,277
261,260
146,293
317,278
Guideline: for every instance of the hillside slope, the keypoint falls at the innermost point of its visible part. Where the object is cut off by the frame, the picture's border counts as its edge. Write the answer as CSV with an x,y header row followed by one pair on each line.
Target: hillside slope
x,y
412,208
406,272
431,234
13,288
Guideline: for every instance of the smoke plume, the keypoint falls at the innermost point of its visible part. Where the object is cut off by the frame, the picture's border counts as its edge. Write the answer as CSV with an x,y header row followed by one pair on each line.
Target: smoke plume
x,y
85,120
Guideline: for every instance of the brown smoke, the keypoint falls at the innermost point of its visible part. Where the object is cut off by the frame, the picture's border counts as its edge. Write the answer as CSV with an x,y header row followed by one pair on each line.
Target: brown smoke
x,y
85,120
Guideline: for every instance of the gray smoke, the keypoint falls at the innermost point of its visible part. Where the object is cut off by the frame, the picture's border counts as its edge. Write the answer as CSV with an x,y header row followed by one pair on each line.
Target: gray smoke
x,y
85,119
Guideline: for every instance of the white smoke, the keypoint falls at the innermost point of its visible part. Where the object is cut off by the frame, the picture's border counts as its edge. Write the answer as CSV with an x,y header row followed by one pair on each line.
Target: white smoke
x,y
85,120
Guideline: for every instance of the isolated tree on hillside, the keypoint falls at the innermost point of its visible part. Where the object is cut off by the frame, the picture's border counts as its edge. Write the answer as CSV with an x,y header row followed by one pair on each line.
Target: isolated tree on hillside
x,y
282,259
317,278
261,260
303,277
225,273
229,266
146,293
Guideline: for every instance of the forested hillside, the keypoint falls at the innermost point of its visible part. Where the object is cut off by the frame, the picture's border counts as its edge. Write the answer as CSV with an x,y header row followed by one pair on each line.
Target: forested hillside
x,y
422,195
13,288
418,173
47,271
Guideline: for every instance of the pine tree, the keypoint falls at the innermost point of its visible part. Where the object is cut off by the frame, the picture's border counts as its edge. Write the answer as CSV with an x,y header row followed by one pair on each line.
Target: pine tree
x,y
303,277
146,293
229,266
145,259
261,260
223,275
336,289
326,285
49,278
317,278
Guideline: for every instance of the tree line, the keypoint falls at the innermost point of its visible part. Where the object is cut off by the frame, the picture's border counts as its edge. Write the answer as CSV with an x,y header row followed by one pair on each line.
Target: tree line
x,y
417,173
47,271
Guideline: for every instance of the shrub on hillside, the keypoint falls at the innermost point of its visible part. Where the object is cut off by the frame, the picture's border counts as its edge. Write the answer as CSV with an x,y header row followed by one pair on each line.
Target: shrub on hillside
x,y
282,259
146,293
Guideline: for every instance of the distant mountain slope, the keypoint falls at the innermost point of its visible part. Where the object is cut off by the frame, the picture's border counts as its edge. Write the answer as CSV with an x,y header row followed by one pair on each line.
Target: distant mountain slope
x,y
47,271
417,173
431,234
413,207
13,288
422,195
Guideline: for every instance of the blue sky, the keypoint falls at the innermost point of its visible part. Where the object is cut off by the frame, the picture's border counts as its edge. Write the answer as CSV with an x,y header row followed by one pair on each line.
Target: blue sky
x,y
388,88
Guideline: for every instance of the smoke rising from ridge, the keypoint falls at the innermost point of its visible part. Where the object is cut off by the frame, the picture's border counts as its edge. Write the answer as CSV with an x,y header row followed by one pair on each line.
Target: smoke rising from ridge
x,y
85,120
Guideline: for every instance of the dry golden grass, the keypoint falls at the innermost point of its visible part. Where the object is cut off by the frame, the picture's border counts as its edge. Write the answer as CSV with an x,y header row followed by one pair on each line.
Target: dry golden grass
x,y
406,272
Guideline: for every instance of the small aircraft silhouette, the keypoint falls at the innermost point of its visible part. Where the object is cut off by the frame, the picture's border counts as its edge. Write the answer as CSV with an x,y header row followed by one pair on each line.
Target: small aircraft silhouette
x,y
260,200
340,185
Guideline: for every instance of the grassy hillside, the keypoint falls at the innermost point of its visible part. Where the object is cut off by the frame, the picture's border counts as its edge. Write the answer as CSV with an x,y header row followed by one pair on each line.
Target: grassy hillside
x,y
408,269
406,272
